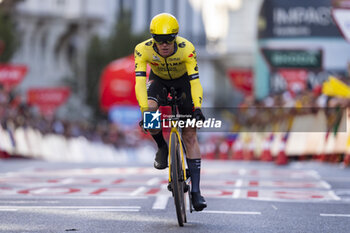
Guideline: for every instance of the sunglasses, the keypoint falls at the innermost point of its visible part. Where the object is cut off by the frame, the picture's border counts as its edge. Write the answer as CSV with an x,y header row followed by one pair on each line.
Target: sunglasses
x,y
161,39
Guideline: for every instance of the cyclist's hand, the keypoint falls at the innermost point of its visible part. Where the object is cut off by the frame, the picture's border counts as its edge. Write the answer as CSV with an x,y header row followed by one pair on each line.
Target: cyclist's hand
x,y
141,126
198,115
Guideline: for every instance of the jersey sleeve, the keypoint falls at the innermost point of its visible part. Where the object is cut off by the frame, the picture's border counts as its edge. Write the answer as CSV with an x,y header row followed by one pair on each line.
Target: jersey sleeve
x,y
140,73
192,71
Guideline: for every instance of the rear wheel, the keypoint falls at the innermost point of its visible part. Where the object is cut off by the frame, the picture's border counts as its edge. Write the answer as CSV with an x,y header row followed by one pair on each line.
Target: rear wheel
x,y
177,180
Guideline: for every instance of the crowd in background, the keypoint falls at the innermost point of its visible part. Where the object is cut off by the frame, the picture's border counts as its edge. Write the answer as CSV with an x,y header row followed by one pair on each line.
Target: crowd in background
x,y
252,113
15,114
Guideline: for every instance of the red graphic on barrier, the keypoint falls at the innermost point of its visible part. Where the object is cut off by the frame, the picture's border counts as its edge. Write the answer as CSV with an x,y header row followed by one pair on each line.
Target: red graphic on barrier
x,y
48,99
12,75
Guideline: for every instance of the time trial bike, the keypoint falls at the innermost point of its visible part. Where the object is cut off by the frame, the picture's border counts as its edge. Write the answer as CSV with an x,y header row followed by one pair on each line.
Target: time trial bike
x,y
179,177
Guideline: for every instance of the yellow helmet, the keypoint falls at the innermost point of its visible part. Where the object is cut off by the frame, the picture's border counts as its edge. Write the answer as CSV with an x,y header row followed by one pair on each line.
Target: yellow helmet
x,y
163,24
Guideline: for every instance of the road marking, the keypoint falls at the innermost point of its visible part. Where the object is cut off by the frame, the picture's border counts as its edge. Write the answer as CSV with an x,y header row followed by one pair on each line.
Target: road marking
x,y
77,197
274,207
325,184
187,202
162,199
109,210
153,181
335,215
138,191
96,208
242,172
40,191
29,202
161,202
67,181
237,192
335,197
230,212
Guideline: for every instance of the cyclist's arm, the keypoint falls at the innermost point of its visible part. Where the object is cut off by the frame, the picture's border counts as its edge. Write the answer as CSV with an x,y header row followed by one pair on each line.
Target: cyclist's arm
x,y
192,70
140,72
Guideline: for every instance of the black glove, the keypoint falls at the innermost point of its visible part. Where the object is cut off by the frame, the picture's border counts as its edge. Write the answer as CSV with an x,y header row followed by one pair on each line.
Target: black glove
x,y
198,115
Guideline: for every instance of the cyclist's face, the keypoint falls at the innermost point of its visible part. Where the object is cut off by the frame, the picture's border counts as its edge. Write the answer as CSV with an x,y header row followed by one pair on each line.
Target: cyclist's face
x,y
165,50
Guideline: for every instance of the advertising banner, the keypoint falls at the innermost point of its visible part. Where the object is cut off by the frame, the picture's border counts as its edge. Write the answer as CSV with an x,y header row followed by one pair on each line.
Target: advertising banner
x,y
297,18
342,18
12,75
242,79
48,99
293,58
117,86
290,79
341,3
299,79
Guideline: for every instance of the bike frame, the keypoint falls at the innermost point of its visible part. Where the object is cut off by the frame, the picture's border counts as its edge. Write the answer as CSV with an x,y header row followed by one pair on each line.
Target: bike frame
x,y
174,130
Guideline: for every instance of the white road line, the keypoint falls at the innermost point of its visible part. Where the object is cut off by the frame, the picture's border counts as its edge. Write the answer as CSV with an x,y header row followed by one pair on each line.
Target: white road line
x,y
274,207
242,172
138,191
29,202
153,181
335,215
42,190
67,181
187,201
325,184
76,197
334,196
237,192
109,210
315,174
5,210
125,208
161,202
230,212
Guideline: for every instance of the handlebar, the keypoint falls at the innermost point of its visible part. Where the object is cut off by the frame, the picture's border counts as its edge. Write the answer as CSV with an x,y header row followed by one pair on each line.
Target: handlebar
x,y
171,100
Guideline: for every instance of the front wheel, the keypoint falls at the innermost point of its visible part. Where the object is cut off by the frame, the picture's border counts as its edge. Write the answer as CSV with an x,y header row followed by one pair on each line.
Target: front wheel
x,y
177,180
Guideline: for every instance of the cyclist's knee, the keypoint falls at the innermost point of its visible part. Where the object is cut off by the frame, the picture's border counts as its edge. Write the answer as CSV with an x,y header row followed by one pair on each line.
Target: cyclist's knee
x,y
152,105
189,137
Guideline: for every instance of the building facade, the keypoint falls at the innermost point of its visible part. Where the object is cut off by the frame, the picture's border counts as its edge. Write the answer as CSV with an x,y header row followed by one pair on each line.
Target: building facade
x,y
54,35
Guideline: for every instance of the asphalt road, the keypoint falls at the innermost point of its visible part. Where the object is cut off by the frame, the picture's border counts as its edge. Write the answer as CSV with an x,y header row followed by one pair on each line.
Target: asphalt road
x,y
37,196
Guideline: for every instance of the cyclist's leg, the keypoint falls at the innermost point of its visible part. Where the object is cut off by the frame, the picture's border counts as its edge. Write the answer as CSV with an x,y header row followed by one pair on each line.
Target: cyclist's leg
x,y
161,160
193,156
189,136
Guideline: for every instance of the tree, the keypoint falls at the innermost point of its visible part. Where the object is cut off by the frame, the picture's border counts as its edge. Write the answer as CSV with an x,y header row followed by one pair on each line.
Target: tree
x,y
101,51
7,38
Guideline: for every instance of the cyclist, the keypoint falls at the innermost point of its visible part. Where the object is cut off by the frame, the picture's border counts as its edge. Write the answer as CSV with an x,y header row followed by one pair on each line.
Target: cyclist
x,y
173,63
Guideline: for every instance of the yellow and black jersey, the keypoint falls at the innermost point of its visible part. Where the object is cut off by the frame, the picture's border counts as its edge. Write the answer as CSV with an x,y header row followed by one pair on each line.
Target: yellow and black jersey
x,y
182,61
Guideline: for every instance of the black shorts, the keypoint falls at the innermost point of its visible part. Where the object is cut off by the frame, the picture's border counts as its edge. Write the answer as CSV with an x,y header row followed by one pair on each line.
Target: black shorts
x,y
181,85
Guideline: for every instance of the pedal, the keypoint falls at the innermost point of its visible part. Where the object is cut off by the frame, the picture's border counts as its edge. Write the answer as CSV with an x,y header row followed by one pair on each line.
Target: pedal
x,y
186,188
169,188
188,174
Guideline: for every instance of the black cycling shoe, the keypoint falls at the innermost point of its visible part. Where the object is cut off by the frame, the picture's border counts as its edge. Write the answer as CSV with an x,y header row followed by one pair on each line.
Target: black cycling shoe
x,y
161,160
198,201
